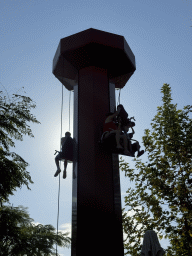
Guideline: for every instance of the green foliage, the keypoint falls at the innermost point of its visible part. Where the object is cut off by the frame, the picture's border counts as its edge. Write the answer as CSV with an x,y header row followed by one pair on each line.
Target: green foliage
x,y
15,113
21,237
168,177
18,234
14,117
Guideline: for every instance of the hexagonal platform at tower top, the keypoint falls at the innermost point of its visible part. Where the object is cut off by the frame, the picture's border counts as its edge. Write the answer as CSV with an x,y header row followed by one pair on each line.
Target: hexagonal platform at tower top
x,y
97,48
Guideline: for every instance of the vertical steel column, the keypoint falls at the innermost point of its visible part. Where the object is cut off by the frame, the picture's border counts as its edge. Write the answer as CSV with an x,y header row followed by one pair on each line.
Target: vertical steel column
x,y
96,215
92,58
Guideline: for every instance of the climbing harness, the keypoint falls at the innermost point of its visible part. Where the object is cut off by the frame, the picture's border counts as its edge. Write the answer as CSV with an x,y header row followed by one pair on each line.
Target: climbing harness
x,y
109,142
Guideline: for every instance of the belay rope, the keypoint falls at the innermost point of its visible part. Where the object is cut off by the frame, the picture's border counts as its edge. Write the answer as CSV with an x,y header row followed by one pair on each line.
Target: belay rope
x,y
69,108
118,102
60,148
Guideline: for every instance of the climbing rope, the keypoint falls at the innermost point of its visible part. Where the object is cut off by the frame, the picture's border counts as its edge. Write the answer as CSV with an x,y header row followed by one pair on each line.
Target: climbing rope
x,y
118,102
59,164
60,148
69,109
58,211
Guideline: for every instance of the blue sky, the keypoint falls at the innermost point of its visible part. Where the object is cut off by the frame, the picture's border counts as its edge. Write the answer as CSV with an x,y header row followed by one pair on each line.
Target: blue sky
x,y
159,34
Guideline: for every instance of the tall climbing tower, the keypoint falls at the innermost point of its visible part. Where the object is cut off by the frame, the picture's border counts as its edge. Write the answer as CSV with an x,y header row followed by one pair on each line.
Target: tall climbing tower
x,y
93,63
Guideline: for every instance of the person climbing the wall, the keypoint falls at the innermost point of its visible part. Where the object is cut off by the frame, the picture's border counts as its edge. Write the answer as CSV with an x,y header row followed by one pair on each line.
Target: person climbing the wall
x,y
135,146
110,127
122,118
122,115
66,154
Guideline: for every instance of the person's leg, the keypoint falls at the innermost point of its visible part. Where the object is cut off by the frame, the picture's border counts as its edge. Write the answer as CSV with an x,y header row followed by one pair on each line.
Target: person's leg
x,y
129,145
57,162
57,158
124,137
138,146
140,153
118,136
65,167
133,149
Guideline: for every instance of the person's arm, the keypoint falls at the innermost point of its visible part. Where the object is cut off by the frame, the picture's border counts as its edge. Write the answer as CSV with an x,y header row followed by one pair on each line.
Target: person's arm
x,y
110,118
133,130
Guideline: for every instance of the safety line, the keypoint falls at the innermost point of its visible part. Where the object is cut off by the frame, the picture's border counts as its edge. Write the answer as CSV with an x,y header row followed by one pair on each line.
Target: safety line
x,y
119,96
60,149
118,102
69,109
59,164
58,211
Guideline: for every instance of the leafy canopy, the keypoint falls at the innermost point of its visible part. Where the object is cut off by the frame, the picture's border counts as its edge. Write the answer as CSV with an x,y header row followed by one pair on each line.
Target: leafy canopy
x,y
162,198
22,237
15,114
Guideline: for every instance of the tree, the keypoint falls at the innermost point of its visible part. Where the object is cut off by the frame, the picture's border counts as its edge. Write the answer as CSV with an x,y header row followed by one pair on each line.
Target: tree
x,y
14,117
22,237
19,236
167,175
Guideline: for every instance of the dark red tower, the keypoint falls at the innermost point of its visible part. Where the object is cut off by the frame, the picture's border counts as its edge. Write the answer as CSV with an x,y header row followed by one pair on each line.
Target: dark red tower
x,y
93,63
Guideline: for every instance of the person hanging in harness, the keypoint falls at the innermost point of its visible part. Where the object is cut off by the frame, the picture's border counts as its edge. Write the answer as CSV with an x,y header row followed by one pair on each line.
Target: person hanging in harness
x,y
111,128
122,115
126,123
66,154
135,146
